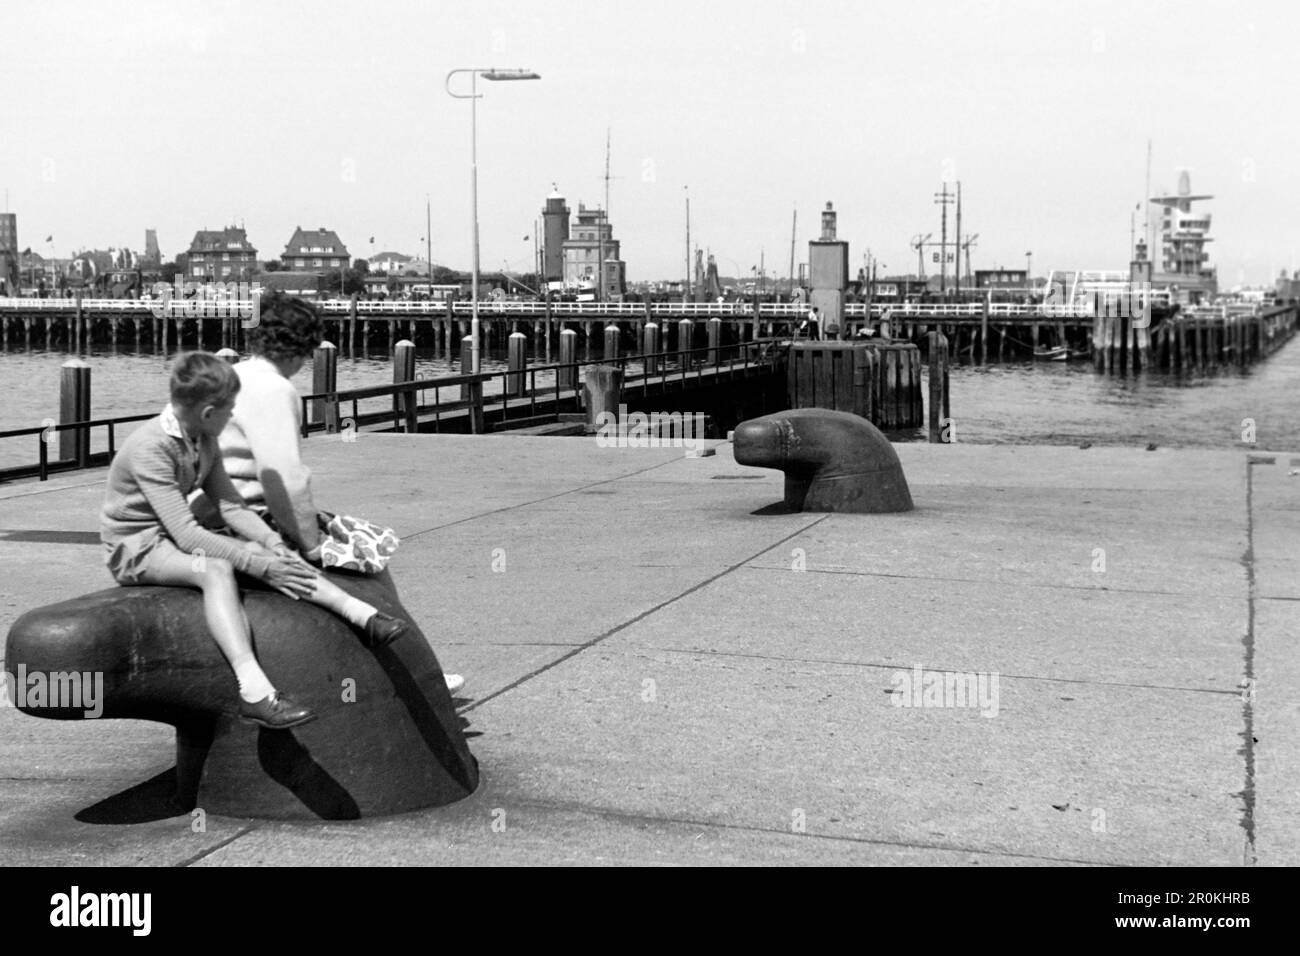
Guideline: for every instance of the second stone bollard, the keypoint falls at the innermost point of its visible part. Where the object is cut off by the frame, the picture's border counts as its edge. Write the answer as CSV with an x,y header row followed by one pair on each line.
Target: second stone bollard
x,y
715,340
649,347
74,406
404,404
685,338
567,377
612,335
602,392
516,360
228,355
324,378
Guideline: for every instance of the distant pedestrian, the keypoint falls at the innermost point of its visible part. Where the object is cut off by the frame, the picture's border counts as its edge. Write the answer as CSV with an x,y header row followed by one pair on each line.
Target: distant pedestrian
x,y
811,325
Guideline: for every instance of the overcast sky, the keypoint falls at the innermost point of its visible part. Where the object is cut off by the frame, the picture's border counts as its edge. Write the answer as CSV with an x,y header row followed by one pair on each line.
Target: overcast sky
x,y
181,116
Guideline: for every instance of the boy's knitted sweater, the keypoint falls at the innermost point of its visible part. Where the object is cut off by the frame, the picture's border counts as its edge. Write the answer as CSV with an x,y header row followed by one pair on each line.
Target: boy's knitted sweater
x,y
149,483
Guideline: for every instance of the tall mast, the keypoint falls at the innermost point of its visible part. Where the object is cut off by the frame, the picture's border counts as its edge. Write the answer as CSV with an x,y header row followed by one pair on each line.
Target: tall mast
x,y
943,200
1146,225
688,243
794,223
600,297
956,244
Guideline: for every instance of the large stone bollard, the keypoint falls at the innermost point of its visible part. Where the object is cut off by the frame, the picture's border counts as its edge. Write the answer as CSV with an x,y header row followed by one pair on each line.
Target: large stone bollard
x,y
386,739
833,461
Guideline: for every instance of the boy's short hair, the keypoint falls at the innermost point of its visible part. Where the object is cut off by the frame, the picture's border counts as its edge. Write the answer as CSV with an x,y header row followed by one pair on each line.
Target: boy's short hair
x,y
200,378
287,328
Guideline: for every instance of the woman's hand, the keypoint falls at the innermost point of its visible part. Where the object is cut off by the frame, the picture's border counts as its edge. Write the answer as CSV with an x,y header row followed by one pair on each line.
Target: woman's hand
x,y
291,578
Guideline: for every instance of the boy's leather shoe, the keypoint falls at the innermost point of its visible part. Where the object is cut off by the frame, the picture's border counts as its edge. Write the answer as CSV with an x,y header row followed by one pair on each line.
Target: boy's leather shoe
x,y
383,629
276,712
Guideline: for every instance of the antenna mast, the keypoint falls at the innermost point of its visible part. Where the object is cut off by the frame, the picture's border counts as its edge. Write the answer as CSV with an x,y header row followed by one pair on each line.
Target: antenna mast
x,y
605,224
688,244
794,222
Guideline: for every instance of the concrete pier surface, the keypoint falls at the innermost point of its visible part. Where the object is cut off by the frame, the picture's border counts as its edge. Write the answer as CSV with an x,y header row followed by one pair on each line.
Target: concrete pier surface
x,y
657,674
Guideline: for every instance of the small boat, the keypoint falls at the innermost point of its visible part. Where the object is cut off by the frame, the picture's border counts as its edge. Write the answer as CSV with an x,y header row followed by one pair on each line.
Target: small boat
x,y
1052,355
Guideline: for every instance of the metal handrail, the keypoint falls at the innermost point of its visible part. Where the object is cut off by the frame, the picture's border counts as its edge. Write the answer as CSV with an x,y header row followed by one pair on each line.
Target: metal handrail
x,y
44,440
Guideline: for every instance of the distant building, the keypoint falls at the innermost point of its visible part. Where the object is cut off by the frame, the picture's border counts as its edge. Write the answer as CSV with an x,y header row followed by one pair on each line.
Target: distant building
x,y
555,230
1183,261
390,263
220,255
1287,288
315,250
151,261
589,237
9,255
1001,279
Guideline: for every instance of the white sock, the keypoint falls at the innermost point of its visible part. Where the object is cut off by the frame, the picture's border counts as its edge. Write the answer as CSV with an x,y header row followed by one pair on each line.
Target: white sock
x,y
356,612
254,685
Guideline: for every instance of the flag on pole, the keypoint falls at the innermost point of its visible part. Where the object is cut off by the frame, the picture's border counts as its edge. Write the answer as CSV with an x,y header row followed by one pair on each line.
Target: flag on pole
x,y
49,238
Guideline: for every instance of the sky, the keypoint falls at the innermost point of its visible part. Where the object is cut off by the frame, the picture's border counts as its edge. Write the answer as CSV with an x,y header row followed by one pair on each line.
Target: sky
x,y
182,116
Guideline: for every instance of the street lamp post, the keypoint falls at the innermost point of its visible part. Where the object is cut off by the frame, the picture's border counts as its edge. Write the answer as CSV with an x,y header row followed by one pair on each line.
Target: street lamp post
x,y
488,73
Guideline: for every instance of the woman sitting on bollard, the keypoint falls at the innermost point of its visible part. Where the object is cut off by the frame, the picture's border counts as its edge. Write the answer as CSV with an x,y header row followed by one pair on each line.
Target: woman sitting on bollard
x,y
260,445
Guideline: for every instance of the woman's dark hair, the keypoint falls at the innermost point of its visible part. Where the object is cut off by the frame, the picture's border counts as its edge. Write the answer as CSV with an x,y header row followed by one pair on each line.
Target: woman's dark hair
x,y
287,328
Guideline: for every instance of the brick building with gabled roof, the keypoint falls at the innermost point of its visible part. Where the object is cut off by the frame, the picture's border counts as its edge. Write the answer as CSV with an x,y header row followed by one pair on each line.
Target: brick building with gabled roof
x,y
221,255
314,250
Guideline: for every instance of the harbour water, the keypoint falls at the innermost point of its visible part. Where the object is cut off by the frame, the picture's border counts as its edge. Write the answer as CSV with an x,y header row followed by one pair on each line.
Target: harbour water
x,y
999,403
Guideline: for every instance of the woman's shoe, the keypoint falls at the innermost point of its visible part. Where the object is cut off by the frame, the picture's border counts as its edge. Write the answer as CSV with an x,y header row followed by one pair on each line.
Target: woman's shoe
x,y
383,629
276,712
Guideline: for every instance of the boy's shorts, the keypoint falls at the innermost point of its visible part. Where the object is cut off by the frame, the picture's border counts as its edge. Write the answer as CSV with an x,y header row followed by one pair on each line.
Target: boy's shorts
x,y
131,559
136,558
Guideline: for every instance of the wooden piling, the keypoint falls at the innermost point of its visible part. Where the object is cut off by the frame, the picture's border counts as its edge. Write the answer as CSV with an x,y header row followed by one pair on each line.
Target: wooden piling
x,y
406,403
568,375
685,336
984,331
324,378
466,364
76,325
74,406
516,361
602,393
649,346
612,336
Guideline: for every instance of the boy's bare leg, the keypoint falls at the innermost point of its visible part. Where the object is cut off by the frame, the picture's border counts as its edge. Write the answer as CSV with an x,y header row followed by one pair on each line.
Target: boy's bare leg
x,y
222,610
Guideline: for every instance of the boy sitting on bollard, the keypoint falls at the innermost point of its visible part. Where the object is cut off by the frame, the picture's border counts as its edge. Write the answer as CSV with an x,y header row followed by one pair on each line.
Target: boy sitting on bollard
x,y
152,537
